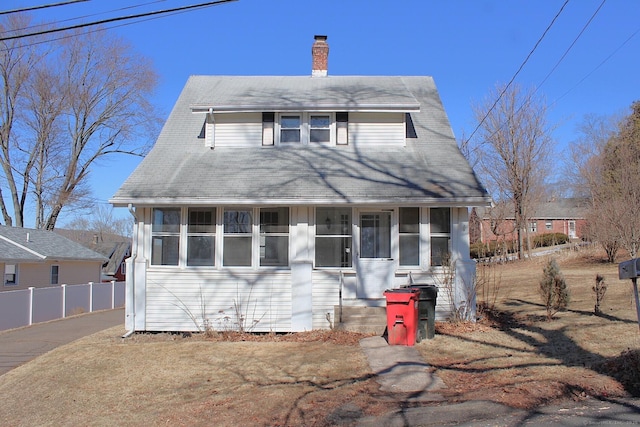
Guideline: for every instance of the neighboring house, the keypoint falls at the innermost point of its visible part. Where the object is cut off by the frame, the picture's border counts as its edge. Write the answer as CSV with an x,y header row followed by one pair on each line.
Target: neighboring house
x,y
116,249
565,215
270,201
39,258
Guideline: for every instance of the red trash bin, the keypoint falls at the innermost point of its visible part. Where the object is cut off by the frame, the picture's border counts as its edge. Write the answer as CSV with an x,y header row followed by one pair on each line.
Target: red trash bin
x,y
402,315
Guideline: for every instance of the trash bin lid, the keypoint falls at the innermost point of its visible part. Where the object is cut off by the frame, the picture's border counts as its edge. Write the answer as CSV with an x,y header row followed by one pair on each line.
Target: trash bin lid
x,y
401,295
427,292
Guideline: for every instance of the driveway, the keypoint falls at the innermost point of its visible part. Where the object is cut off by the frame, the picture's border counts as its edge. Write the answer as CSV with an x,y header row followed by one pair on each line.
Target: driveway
x,y
18,346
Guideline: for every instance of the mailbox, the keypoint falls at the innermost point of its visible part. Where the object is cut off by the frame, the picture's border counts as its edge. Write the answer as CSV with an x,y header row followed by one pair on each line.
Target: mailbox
x,y
629,269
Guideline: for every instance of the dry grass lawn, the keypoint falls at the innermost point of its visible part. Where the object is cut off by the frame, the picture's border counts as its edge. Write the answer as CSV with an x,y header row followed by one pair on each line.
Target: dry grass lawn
x,y
513,356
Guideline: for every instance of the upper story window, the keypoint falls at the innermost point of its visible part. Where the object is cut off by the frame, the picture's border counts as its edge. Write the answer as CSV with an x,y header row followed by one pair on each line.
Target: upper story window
x,y
290,129
307,128
320,128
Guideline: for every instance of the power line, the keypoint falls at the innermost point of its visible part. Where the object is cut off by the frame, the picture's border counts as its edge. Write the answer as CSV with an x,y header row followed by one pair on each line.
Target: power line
x,y
25,9
504,90
81,17
628,39
121,18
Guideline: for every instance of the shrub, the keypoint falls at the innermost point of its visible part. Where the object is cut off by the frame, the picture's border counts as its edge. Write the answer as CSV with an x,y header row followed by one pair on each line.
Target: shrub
x,y
550,239
600,288
553,289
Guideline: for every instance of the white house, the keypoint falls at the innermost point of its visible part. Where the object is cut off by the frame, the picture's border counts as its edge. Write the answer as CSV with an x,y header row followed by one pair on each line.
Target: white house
x,y
268,201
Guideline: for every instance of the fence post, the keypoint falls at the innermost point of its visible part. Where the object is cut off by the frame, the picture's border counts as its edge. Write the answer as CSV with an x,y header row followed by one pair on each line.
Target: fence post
x,y
64,300
113,294
90,297
31,288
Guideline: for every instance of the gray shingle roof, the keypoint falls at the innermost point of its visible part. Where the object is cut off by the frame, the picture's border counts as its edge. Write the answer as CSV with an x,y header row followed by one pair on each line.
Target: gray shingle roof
x,y
32,245
429,170
564,208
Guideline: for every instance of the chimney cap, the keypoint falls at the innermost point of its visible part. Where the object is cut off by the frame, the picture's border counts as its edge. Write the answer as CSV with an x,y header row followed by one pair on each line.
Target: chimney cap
x,y
320,38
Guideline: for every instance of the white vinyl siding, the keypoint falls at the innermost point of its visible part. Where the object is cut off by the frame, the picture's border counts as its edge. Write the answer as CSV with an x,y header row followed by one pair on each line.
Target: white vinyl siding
x,y
377,129
177,298
238,130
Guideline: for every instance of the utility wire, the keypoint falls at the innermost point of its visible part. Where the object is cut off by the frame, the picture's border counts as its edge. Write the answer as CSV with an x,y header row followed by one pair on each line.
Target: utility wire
x,y
518,71
121,18
81,17
635,33
25,9
566,52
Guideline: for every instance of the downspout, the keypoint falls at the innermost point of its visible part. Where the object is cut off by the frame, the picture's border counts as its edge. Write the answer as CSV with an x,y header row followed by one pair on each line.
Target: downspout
x,y
134,254
340,296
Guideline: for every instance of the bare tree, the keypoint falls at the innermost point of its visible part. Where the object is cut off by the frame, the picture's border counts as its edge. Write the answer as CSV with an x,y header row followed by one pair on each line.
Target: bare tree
x,y
607,164
16,66
81,99
512,151
107,87
102,223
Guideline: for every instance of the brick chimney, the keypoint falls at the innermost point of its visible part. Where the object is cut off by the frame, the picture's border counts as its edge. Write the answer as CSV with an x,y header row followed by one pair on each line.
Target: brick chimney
x,y
320,55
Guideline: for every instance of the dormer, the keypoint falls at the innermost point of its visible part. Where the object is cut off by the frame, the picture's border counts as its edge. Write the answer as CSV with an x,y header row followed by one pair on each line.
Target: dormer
x,y
273,111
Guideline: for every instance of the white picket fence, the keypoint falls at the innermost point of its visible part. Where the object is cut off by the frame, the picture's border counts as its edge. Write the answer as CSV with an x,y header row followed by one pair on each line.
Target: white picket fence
x,y
33,305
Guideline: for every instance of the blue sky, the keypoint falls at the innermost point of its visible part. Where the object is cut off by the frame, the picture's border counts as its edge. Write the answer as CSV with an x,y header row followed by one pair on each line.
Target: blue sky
x,y
468,46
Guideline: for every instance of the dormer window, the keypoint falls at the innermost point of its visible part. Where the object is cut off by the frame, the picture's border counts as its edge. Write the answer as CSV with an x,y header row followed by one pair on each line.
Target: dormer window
x,y
311,128
290,129
320,128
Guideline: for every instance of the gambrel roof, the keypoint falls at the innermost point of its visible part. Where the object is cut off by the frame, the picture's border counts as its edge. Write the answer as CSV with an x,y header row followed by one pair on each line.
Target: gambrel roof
x,y
429,170
32,245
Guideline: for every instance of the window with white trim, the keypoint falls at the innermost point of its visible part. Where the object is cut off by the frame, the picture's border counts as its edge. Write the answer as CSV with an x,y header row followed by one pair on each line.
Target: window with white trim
x,y
333,237
165,236
409,231
201,236
290,128
533,227
320,128
274,237
238,236
308,128
10,276
440,220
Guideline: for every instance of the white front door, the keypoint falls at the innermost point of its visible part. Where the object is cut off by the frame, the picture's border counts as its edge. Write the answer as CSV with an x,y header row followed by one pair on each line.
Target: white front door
x,y
375,267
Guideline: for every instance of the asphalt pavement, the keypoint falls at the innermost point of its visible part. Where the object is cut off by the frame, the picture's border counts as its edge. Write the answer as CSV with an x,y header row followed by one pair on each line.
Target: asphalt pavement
x,y
18,346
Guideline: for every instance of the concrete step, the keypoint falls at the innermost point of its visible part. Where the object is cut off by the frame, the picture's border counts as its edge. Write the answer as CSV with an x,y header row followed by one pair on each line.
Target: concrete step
x,y
368,320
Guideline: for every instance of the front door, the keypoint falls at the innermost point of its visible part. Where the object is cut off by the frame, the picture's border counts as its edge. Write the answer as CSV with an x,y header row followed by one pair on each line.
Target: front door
x,y
375,267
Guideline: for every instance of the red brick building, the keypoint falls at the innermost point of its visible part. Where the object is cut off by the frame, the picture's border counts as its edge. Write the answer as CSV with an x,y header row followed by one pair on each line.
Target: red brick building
x,y
566,216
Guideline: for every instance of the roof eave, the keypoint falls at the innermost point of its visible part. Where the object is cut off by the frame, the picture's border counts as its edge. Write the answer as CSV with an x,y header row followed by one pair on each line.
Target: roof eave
x,y
360,201
361,108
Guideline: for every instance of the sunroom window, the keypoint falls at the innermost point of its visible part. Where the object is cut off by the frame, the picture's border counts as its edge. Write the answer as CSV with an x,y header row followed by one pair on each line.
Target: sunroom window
x,y
165,236
201,237
333,237
440,235
237,237
409,230
274,236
